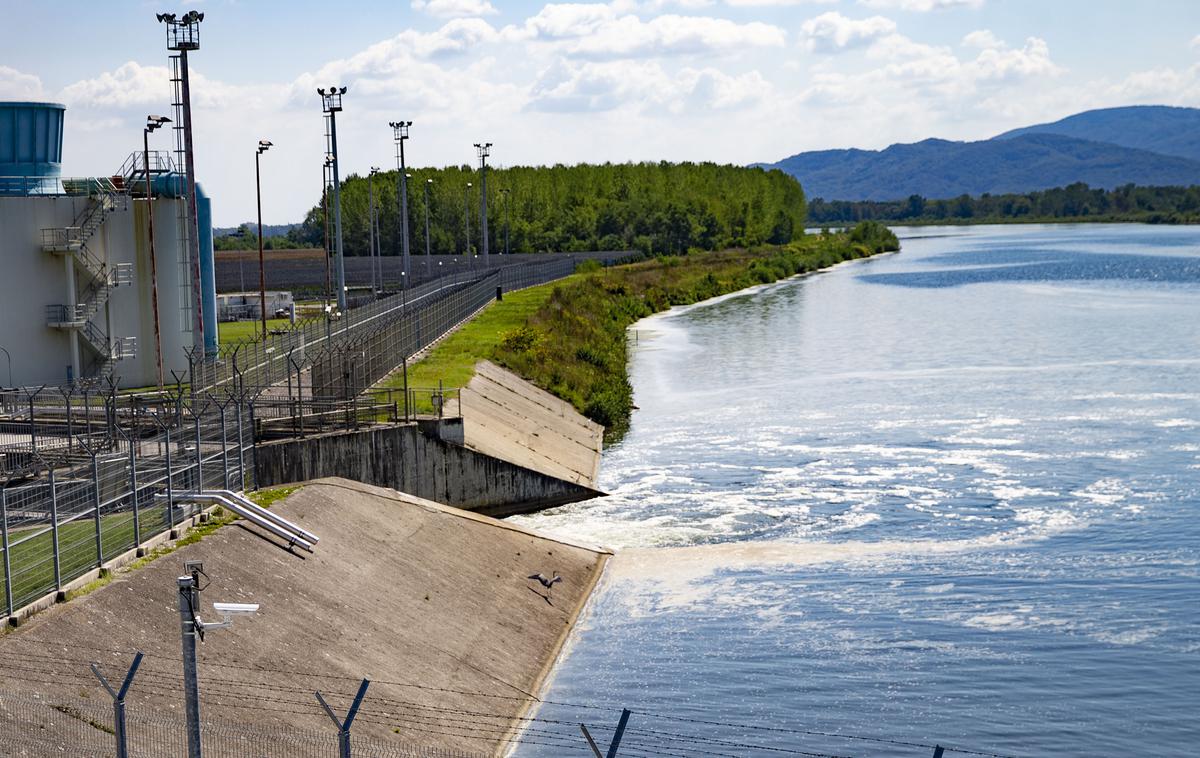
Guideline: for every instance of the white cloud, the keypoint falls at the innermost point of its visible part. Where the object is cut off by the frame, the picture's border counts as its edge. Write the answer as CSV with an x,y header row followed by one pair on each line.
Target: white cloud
x,y
921,6
455,8
776,3
15,85
831,32
640,86
590,30
983,39
134,85
1196,42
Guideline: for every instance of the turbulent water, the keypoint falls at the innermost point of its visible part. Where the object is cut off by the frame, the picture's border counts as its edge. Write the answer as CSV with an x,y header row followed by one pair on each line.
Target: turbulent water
x,y
944,496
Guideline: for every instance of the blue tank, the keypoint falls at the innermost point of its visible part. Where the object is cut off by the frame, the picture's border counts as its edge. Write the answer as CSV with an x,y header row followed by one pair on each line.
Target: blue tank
x,y
31,140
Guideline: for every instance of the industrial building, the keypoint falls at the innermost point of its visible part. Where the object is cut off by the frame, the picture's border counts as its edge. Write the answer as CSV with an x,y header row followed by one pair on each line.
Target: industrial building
x,y
78,288
247,306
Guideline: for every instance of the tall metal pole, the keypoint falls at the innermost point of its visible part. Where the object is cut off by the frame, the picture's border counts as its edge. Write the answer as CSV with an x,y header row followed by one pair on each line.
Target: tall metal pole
x,y
325,228
404,215
337,216
506,192
371,229
262,269
427,183
484,149
467,218
153,260
193,209
189,601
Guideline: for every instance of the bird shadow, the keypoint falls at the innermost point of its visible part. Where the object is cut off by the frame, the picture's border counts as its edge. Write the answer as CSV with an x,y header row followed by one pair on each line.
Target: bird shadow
x,y
545,597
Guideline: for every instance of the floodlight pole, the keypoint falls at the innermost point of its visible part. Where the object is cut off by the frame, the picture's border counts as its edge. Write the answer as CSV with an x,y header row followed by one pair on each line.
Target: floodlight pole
x,y
263,146
183,34
331,103
400,134
428,182
484,149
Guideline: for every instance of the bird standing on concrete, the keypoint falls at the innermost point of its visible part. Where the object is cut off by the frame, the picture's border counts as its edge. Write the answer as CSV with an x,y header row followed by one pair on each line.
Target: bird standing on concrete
x,y
547,583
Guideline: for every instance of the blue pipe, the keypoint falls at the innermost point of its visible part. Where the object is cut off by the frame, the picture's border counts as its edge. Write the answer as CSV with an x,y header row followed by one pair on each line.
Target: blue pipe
x,y
173,185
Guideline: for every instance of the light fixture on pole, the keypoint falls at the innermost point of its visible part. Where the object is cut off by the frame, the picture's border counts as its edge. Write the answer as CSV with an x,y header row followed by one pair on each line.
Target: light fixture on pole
x,y
183,35
400,134
505,192
372,231
331,104
428,184
263,146
483,149
152,123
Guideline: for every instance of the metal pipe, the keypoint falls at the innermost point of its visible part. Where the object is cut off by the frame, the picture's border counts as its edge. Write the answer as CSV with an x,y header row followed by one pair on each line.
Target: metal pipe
x,y
337,216
153,261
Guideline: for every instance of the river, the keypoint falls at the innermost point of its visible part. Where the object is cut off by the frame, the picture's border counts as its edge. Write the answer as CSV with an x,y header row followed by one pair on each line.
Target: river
x,y
947,496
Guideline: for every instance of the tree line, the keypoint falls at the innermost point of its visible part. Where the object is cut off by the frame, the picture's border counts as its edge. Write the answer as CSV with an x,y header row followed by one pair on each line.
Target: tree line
x,y
655,208
1170,205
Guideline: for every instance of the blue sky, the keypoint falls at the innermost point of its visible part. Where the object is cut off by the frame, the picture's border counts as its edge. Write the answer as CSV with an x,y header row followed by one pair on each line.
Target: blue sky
x,y
723,80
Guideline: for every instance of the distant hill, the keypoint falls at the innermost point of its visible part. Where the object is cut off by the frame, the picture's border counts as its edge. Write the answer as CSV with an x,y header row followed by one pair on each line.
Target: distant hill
x,y
1157,128
1018,163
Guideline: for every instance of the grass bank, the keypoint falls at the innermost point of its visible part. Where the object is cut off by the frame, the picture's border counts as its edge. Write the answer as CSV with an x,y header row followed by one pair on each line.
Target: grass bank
x,y
569,337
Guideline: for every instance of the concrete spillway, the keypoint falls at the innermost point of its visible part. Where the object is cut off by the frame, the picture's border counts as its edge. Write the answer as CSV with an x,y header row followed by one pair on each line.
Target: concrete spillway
x,y
401,590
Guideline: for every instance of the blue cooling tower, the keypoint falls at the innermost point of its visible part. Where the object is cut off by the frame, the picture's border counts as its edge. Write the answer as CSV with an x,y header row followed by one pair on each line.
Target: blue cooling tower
x,y
31,139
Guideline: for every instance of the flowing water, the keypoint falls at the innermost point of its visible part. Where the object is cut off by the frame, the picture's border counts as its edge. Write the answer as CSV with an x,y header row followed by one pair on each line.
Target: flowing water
x,y
948,496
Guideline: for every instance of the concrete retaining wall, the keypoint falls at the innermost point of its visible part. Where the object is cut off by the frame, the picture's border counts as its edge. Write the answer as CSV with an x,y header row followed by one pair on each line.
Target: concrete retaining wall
x,y
404,458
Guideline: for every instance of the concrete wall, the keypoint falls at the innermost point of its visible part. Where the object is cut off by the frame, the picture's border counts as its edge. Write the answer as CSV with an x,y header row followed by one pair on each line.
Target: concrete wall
x,y
33,279
509,418
406,459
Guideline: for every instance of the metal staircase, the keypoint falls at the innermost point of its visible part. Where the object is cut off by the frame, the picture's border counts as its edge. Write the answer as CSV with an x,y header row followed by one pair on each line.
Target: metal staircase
x,y
99,278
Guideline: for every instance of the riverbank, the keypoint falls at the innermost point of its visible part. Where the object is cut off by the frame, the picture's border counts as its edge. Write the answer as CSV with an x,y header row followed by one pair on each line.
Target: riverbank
x,y
569,337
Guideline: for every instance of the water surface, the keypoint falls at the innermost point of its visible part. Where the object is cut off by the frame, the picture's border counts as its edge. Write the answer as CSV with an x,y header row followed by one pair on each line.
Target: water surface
x,y
947,495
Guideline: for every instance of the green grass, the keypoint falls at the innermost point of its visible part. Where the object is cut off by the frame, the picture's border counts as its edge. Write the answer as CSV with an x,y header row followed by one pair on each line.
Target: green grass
x,y
33,565
453,360
240,331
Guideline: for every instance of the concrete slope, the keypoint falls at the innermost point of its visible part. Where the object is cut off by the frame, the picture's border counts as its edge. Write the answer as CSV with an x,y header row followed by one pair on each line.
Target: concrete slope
x,y
509,418
430,602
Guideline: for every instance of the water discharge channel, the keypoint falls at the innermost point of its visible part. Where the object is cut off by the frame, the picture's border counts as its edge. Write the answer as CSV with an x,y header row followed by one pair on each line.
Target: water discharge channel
x,y
948,495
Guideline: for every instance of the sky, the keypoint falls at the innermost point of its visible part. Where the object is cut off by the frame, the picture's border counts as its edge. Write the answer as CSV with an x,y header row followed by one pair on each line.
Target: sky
x,y
731,81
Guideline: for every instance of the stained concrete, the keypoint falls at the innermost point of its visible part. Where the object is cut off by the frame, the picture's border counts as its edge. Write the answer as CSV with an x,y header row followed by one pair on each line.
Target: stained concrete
x,y
429,602
509,418
405,458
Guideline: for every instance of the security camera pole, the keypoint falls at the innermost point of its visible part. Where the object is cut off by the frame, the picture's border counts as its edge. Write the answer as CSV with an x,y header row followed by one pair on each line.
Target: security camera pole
x,y
191,628
331,103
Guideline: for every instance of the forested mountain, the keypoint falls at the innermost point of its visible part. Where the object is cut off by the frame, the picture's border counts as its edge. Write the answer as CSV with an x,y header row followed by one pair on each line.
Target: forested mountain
x,y
651,207
1157,128
943,169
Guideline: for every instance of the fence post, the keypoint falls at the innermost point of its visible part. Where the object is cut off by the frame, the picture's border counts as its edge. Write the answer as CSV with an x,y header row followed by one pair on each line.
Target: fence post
x,y
118,697
344,726
170,487
54,531
96,505
133,488
199,454
224,448
616,740
7,562
938,750
241,447
253,446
